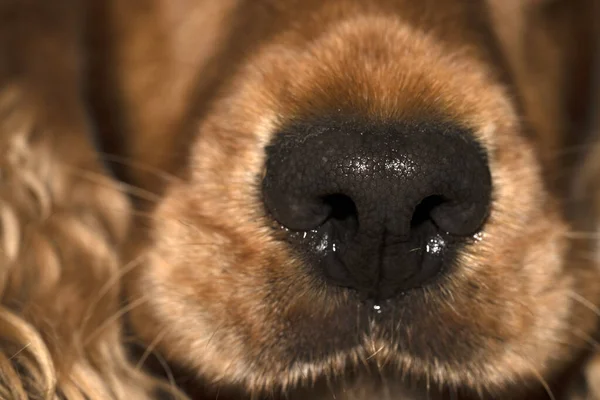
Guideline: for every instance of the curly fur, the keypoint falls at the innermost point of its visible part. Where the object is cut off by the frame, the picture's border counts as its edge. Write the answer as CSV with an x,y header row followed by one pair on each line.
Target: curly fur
x,y
62,227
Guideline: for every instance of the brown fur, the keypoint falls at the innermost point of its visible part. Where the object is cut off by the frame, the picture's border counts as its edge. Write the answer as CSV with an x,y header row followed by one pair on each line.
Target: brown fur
x,y
184,96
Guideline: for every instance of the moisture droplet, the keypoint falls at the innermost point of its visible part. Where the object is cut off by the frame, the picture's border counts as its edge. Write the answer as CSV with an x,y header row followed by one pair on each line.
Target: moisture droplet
x,y
435,245
478,236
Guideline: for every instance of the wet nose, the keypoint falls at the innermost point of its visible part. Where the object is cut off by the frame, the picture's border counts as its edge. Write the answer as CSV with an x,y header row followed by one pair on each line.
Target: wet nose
x,y
380,208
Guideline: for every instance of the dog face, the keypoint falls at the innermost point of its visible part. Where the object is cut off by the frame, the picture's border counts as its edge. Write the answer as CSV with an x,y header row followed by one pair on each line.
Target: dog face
x,y
361,191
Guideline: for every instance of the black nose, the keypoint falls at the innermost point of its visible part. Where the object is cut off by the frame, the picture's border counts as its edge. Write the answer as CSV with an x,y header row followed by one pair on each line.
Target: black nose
x,y
378,208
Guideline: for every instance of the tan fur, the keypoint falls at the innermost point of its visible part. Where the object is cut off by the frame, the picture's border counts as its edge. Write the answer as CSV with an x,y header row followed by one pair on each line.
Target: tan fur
x,y
187,94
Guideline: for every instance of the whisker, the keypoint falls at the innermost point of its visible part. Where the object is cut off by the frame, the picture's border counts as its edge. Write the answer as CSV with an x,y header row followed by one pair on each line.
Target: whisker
x,y
200,244
19,352
375,353
167,370
543,382
136,213
570,150
116,316
151,347
587,338
330,387
582,235
123,187
213,335
584,302
139,166
112,282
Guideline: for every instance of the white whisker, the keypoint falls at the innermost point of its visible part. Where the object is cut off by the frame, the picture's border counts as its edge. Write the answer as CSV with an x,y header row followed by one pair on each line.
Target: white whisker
x,y
584,302
20,351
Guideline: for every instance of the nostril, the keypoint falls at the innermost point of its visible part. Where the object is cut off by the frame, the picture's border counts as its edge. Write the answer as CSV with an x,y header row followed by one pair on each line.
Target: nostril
x,y
344,215
338,210
424,209
342,207
294,212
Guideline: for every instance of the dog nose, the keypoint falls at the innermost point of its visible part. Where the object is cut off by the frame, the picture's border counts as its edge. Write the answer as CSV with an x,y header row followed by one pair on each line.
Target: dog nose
x,y
377,208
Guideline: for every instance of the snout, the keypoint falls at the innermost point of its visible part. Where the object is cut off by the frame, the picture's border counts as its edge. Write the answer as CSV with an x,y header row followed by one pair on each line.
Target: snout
x,y
379,208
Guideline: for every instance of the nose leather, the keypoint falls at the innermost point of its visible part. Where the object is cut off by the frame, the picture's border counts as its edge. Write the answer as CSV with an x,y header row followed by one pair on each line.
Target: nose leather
x,y
381,194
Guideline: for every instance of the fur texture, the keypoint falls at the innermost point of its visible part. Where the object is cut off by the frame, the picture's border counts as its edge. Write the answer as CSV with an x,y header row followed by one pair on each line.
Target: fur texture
x,y
132,136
